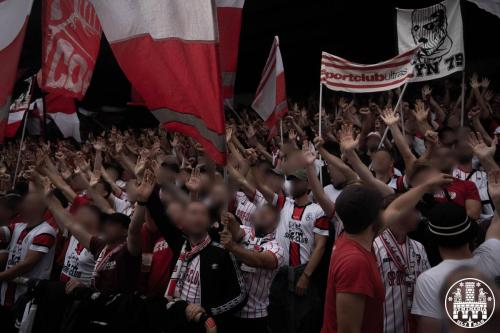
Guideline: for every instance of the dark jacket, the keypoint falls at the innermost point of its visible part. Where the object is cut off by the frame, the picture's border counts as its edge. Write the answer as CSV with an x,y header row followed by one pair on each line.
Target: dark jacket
x,y
222,287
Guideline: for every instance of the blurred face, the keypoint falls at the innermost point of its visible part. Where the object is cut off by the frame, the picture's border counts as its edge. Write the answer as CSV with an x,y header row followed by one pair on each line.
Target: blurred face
x,y
114,232
32,207
410,220
266,219
298,188
382,162
5,215
423,176
176,211
444,159
463,152
102,190
166,176
448,139
113,173
196,219
218,195
77,184
88,219
372,142
337,178
275,182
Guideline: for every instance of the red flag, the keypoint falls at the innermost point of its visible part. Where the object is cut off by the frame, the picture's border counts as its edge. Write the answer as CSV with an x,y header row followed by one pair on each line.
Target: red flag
x,y
18,109
270,100
71,40
62,110
229,14
13,21
168,51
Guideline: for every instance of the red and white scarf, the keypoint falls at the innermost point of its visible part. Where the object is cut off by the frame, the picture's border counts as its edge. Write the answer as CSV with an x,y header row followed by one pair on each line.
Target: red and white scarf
x,y
103,259
185,257
405,264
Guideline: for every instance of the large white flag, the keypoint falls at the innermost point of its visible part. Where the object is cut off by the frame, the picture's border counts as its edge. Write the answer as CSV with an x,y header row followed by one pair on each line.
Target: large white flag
x,y
438,30
492,6
342,75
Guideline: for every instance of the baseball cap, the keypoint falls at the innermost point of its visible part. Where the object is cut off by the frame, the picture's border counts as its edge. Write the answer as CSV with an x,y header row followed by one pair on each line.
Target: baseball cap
x,y
300,174
450,226
358,206
376,134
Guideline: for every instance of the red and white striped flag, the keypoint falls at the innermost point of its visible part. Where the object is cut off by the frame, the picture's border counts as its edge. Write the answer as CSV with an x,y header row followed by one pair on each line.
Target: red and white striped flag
x,y
13,21
71,41
229,13
18,109
270,100
168,51
342,75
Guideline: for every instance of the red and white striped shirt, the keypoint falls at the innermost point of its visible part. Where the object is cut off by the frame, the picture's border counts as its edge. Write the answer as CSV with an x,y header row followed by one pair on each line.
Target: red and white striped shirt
x,y
258,280
245,207
396,300
298,224
190,285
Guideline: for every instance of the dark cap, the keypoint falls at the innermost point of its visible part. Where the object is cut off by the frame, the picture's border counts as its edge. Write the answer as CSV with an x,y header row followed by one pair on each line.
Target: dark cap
x,y
358,206
450,226
299,175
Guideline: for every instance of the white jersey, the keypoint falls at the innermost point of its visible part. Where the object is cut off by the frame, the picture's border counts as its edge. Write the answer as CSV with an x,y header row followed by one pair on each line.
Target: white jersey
x,y
298,224
258,280
396,293
480,178
78,263
190,285
40,238
246,207
332,193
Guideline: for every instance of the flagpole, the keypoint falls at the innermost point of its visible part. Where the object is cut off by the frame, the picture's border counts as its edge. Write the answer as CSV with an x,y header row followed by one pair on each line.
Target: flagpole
x,y
20,148
395,109
462,112
319,129
281,133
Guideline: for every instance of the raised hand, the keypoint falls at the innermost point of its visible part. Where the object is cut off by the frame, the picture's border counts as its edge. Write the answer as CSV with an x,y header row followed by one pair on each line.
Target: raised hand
x,y
318,142
229,133
346,138
474,112
438,181
485,83
389,116
146,187
480,148
250,131
194,182
99,144
292,135
420,112
494,186
474,81
308,156
431,137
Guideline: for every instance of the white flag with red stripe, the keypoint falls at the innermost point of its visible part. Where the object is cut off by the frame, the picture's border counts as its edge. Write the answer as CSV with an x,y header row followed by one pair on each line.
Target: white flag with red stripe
x,y
71,41
13,21
18,109
229,13
270,100
168,51
342,75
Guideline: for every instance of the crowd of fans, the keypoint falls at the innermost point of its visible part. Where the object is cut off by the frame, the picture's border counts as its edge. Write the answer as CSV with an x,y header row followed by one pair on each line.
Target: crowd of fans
x,y
351,231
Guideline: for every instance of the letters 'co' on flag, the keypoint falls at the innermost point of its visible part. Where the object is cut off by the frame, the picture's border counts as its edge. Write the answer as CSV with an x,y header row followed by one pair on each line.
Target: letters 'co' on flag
x,y
13,21
438,31
168,51
71,41
270,100
229,14
342,75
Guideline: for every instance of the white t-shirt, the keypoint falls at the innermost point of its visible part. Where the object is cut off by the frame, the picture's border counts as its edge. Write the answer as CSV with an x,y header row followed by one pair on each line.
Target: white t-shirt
x,y
40,238
122,206
427,298
78,263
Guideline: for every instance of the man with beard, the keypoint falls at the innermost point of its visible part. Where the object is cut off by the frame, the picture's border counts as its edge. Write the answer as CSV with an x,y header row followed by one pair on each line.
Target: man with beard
x,y
302,232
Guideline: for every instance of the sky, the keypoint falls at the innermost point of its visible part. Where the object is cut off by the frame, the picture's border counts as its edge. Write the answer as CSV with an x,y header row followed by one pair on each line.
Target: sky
x,y
360,30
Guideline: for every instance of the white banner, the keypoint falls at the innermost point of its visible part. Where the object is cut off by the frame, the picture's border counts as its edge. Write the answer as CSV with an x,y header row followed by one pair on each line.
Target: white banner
x,y
342,75
438,30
